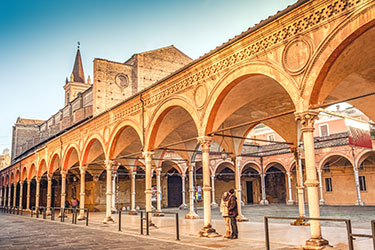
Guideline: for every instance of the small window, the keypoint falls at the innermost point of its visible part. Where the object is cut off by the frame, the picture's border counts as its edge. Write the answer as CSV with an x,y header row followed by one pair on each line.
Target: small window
x,y
323,130
362,183
328,184
271,138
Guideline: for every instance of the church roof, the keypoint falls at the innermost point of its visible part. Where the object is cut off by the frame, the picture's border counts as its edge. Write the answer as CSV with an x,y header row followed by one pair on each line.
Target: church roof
x,y
78,75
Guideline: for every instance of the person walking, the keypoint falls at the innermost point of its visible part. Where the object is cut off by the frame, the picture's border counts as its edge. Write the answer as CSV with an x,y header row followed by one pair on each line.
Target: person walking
x,y
224,212
233,213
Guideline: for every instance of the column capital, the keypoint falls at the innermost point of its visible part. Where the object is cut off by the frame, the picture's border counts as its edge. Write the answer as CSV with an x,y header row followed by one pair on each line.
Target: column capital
x,y
49,177
183,175
63,173
83,169
288,173
28,182
204,140
213,176
158,171
109,165
147,154
307,119
38,179
319,170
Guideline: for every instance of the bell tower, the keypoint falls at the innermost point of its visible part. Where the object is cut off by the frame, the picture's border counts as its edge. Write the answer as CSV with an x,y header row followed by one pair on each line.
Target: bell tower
x,y
76,83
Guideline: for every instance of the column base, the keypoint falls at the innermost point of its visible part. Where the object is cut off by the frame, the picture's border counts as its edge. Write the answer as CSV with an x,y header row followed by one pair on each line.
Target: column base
x,y
264,202
183,207
209,232
132,212
322,202
241,218
158,214
242,203
359,203
290,202
191,215
319,243
214,205
108,220
81,217
300,222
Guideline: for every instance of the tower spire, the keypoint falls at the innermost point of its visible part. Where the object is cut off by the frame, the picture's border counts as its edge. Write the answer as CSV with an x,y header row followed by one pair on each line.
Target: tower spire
x,y
78,74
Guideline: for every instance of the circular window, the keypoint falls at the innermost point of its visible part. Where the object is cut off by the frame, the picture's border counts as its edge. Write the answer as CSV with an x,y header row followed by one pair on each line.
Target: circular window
x,y
122,80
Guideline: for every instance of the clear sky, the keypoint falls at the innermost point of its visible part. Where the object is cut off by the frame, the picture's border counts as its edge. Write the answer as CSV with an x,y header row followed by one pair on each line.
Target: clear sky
x,y
38,41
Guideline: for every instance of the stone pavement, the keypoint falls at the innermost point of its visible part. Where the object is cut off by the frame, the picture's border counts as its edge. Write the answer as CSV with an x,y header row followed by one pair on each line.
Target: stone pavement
x,y
282,235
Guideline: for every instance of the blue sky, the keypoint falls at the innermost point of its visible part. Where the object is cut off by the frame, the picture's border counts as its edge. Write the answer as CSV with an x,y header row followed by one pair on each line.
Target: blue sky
x,y
38,41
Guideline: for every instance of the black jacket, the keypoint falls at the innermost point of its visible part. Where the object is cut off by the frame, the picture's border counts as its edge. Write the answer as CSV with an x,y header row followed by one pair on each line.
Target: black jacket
x,y
232,206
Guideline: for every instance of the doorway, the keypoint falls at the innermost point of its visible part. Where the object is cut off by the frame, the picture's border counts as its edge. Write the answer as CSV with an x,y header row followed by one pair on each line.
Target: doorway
x,y
174,191
249,191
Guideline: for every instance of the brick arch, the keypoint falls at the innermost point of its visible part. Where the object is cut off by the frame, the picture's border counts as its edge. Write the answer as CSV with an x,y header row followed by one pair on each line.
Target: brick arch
x,y
324,160
23,173
275,163
363,156
42,162
162,110
120,127
67,153
17,176
328,51
55,157
178,167
86,149
251,162
221,162
31,172
234,77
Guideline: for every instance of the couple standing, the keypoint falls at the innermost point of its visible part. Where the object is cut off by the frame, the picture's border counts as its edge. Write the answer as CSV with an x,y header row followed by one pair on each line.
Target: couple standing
x,y
228,209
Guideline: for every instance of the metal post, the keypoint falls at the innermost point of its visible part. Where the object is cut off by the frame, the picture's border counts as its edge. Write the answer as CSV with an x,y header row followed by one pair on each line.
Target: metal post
x,y
119,220
73,215
141,222
266,233
87,217
37,212
349,232
52,213
63,215
177,228
373,232
44,213
147,224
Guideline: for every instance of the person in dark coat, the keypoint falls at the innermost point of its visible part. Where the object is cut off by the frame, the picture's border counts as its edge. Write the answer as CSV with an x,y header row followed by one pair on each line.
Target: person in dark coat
x,y
233,213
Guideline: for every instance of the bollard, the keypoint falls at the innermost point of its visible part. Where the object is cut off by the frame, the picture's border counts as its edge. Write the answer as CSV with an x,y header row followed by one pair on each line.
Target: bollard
x,y
44,213
37,212
52,213
147,223
119,220
266,233
87,218
141,216
73,216
349,232
373,232
177,228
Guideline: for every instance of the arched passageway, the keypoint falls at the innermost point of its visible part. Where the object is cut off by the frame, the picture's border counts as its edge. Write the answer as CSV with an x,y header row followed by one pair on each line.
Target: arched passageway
x,y
251,184
275,184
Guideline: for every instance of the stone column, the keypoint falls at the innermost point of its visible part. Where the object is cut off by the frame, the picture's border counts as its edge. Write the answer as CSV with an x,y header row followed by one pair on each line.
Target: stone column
x,y
82,193
9,194
14,194
290,200
213,203
359,201
114,191
183,205
108,218
237,179
49,193
321,201
306,120
148,179
191,214
28,195
264,200
1,195
63,189
207,230
21,195
37,193
158,192
133,211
